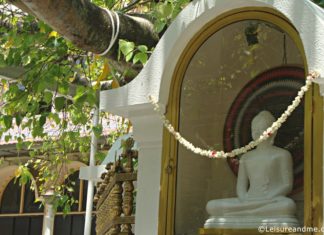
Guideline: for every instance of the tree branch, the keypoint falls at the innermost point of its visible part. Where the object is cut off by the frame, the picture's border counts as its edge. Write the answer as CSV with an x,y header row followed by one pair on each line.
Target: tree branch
x,y
89,27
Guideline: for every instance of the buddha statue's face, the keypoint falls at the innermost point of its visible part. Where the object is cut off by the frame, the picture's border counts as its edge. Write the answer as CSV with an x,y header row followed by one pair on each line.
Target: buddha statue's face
x,y
260,123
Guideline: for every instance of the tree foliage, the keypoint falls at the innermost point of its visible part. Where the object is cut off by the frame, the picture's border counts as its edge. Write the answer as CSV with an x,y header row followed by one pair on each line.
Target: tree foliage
x,y
51,102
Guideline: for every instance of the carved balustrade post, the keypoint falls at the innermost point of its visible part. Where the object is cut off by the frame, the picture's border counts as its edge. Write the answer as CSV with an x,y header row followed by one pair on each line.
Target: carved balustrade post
x,y
115,195
128,197
115,199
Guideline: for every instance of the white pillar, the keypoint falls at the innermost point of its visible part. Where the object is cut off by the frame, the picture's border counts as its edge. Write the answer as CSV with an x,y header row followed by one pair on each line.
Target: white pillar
x,y
147,132
93,150
48,220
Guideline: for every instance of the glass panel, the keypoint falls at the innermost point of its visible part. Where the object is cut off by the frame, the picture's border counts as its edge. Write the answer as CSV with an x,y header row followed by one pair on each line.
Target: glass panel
x,y
36,224
72,225
242,69
31,225
21,226
85,190
74,177
30,205
11,198
7,225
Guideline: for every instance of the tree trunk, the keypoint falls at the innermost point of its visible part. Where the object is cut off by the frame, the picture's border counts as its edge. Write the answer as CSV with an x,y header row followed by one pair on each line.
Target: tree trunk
x,y
88,26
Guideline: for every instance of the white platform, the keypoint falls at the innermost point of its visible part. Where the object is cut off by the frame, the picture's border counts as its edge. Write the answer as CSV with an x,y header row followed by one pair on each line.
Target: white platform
x,y
247,222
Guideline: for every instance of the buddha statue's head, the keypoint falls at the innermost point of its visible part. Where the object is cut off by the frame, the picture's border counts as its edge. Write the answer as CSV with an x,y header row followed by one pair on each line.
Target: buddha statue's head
x,y
261,122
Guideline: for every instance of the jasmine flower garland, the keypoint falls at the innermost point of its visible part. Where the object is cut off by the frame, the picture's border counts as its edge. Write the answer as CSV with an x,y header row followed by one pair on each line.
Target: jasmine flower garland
x,y
265,135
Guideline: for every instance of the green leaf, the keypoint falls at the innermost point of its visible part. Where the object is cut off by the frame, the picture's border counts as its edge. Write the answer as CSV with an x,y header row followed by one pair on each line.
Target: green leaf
x,y
18,119
80,90
97,130
42,120
79,100
69,189
142,57
159,25
127,49
7,138
164,10
91,98
48,97
42,85
20,143
38,130
78,117
66,209
7,121
80,96
59,103
2,60
55,117
100,156
26,60
23,174
142,48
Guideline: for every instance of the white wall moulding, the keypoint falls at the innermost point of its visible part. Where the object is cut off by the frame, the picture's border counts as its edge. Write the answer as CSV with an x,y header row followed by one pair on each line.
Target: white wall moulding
x,y
91,172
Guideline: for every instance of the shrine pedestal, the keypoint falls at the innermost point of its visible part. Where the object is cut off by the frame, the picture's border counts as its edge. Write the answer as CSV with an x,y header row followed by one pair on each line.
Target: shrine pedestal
x,y
222,231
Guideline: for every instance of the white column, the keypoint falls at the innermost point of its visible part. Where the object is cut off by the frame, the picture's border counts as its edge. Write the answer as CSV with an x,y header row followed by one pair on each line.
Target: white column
x,y
93,150
49,216
147,133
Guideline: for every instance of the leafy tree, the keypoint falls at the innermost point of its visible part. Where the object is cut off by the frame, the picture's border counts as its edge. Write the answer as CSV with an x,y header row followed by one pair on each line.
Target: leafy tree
x,y
53,96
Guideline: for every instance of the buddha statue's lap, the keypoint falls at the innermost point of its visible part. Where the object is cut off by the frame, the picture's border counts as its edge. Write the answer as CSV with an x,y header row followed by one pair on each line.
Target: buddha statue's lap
x,y
265,179
233,206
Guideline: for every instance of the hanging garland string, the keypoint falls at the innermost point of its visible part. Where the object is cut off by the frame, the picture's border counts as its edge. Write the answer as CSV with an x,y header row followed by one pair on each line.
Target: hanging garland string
x,y
114,30
265,135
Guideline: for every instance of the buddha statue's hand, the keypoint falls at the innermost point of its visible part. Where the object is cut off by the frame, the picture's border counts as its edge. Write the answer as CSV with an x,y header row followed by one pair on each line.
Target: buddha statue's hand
x,y
253,199
269,196
248,198
262,197
242,196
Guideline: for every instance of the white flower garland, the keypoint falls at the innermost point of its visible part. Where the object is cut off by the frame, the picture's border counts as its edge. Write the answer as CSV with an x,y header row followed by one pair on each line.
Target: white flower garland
x,y
266,134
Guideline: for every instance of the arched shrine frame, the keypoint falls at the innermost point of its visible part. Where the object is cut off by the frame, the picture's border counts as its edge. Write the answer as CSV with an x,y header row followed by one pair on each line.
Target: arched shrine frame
x,y
313,121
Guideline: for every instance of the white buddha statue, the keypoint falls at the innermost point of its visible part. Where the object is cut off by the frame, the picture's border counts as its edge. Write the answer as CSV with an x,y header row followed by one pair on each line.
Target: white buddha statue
x,y
265,178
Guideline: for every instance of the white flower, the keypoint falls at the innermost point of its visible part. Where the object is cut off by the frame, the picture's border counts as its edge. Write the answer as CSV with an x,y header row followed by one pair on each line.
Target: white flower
x,y
295,103
266,134
290,109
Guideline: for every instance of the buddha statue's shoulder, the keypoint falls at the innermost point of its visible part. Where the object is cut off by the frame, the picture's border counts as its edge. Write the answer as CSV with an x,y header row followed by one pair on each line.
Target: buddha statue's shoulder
x,y
282,151
246,156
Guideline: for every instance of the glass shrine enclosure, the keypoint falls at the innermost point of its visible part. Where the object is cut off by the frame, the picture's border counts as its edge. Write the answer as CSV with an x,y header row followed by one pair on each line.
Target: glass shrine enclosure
x,y
243,68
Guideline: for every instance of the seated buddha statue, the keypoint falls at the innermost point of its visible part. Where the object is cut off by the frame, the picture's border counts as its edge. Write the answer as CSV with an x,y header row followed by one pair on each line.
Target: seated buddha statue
x,y
265,178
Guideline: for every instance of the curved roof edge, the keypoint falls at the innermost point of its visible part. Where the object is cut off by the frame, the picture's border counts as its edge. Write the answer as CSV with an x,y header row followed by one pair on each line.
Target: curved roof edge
x,y
155,78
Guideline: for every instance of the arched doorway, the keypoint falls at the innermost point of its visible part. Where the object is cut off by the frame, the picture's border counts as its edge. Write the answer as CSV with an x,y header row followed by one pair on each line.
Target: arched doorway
x,y
19,212
20,215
